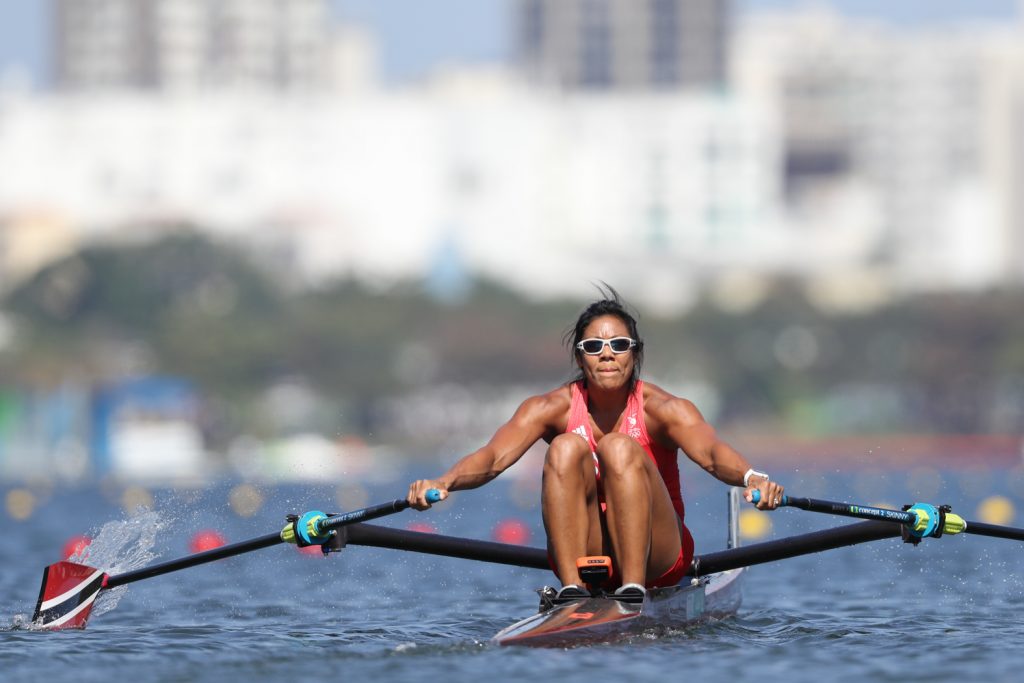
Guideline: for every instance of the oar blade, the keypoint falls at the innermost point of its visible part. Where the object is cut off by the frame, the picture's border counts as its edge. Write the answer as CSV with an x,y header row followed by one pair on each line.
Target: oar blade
x,y
67,595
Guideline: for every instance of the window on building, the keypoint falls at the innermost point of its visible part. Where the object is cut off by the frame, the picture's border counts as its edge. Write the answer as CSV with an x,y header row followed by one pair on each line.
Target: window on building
x,y
595,44
664,41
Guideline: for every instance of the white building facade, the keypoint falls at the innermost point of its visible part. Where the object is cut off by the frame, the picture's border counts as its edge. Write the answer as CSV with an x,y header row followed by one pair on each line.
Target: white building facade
x,y
543,192
845,153
917,126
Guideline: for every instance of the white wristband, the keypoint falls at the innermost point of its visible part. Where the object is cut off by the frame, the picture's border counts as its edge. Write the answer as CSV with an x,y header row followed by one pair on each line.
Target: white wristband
x,y
753,473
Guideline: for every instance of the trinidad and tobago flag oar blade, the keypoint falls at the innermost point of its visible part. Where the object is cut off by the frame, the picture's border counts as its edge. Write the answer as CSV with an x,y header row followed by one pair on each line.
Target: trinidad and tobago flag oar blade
x,y
67,595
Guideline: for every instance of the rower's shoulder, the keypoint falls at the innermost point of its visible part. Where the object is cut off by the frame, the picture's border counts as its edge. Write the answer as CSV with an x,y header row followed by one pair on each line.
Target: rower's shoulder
x,y
666,407
559,398
549,405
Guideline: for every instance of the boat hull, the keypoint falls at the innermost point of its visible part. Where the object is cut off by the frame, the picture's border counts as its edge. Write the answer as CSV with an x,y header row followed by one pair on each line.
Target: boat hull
x,y
604,619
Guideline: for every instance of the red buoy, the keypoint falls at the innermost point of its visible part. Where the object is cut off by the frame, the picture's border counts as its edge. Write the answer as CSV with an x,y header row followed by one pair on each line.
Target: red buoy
x,y
207,539
422,527
75,545
511,531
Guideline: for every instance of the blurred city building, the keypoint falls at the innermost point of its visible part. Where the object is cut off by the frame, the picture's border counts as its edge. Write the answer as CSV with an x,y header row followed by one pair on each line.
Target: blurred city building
x,y
657,145
624,44
861,157
30,239
922,126
146,428
138,428
42,433
528,188
191,44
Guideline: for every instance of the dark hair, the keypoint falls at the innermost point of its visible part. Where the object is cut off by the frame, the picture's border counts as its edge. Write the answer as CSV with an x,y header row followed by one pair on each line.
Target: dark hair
x,y
611,304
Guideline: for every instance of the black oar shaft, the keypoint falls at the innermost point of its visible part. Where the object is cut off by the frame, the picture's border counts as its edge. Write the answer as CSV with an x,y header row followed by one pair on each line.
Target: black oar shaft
x,y
995,531
194,560
449,546
793,546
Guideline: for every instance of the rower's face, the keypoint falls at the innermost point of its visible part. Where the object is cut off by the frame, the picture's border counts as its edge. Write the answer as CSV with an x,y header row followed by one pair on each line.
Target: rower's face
x,y
606,370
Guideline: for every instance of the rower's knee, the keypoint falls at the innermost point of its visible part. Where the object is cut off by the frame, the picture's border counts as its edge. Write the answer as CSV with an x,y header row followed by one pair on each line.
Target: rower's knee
x,y
620,454
566,453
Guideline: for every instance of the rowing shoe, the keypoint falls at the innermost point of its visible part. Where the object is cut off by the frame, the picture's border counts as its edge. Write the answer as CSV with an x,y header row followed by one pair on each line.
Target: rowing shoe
x,y
69,589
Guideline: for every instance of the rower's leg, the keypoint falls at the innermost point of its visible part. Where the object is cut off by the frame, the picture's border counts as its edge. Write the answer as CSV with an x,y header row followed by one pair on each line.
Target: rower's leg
x,y
569,505
642,524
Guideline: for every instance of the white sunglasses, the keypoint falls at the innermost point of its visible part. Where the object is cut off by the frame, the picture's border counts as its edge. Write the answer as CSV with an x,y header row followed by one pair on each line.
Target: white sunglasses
x,y
594,346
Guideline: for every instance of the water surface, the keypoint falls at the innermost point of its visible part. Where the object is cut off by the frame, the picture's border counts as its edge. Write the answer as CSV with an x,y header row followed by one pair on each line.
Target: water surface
x,y
948,610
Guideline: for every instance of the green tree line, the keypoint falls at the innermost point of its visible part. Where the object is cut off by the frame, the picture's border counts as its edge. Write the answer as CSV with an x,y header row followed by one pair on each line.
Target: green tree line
x,y
190,307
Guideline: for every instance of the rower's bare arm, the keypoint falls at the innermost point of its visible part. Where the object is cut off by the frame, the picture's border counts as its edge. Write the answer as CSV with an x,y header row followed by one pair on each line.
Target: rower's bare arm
x,y
504,449
687,428
532,420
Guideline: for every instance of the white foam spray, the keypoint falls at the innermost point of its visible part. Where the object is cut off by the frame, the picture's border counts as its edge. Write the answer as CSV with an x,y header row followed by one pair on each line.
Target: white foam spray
x,y
121,546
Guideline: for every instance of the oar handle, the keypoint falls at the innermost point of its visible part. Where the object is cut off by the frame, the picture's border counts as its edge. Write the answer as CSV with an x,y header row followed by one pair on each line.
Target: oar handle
x,y
755,498
327,523
845,509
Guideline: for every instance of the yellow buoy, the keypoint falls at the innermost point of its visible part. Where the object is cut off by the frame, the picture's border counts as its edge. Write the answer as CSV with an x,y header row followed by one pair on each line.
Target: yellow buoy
x,y
245,500
525,494
754,524
351,496
20,504
996,510
136,499
924,482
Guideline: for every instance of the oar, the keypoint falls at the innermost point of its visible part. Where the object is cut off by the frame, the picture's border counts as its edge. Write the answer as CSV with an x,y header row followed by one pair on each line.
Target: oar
x,y
921,520
69,589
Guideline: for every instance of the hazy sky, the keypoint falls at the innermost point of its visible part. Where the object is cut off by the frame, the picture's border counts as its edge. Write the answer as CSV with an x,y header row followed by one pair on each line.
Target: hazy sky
x,y
414,35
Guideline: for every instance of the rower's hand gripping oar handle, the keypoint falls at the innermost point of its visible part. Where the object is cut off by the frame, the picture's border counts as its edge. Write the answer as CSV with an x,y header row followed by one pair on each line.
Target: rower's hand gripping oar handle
x,y
755,498
316,527
920,519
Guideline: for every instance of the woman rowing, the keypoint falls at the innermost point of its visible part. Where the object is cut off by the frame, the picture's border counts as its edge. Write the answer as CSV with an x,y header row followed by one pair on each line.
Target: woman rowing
x,y
611,477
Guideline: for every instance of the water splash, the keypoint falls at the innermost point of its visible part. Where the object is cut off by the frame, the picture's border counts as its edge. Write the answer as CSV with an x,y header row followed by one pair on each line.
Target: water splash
x,y
121,546
118,547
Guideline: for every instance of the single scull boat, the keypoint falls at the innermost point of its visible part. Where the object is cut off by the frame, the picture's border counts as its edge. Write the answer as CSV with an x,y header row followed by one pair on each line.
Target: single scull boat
x,y
605,618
